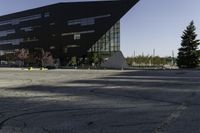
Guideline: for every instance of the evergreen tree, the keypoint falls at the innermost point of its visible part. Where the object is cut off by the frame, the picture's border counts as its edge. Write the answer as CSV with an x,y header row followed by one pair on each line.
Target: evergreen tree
x,y
73,61
94,58
188,56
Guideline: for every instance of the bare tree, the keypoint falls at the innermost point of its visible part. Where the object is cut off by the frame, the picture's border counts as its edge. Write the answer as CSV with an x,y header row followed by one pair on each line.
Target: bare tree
x,y
22,55
47,59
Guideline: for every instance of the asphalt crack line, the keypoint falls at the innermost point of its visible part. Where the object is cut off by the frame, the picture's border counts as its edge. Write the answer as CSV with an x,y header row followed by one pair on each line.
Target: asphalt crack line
x,y
134,124
46,130
176,114
172,117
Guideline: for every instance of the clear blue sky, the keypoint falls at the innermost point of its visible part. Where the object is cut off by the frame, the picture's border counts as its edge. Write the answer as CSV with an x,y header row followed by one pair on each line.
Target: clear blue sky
x,y
151,24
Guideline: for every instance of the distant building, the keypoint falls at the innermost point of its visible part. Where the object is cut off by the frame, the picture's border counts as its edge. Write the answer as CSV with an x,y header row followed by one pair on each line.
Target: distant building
x,y
66,29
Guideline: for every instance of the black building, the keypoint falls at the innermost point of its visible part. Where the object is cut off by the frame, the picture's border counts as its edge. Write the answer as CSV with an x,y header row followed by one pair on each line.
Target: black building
x,y
66,29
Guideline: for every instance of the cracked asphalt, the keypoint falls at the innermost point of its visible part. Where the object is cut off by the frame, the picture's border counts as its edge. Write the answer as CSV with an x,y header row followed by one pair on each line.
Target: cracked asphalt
x,y
100,101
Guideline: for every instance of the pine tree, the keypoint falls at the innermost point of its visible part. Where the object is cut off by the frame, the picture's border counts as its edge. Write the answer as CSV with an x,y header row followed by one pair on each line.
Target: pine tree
x,y
188,55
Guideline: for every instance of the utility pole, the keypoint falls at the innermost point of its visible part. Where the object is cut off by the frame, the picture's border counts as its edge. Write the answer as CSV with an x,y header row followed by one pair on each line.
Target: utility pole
x,y
172,57
154,52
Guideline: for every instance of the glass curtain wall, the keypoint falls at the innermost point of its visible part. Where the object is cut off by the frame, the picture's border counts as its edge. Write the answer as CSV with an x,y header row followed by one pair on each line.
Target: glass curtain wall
x,y
108,43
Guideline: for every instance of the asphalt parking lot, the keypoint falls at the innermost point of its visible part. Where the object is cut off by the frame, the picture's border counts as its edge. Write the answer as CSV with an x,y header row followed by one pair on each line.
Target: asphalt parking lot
x,y
104,101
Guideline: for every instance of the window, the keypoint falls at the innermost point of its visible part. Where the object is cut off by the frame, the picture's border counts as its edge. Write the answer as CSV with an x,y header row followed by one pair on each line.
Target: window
x,y
2,52
5,22
46,14
82,22
52,47
6,32
51,24
30,39
19,20
73,46
86,21
65,49
26,29
5,42
13,42
77,33
89,21
17,41
77,36
28,18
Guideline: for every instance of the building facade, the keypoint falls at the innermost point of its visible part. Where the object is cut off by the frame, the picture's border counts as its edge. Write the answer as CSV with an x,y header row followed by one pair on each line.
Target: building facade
x,y
66,29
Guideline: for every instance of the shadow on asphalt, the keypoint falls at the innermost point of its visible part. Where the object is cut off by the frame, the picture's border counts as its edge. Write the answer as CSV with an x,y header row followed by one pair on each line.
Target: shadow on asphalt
x,y
110,101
